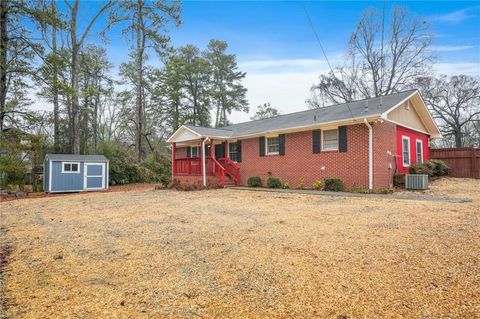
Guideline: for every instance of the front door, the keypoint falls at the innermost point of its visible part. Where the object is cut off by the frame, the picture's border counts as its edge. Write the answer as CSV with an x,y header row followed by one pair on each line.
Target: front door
x,y
94,176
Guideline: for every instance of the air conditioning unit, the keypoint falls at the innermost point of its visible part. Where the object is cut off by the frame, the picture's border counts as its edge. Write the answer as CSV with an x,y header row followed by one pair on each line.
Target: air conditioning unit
x,y
416,181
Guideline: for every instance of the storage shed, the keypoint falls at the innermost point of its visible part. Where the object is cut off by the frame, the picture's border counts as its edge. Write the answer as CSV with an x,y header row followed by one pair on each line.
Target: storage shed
x,y
74,173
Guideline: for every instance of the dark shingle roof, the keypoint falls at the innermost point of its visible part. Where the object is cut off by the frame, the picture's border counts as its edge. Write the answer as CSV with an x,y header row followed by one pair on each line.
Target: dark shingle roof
x,y
73,157
333,113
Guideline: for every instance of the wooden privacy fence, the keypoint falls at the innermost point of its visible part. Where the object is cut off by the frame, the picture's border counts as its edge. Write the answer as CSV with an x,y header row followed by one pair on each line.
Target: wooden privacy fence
x,y
464,161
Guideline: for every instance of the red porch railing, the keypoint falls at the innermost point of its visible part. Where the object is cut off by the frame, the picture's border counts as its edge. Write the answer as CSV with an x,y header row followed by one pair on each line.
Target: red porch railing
x,y
219,168
231,169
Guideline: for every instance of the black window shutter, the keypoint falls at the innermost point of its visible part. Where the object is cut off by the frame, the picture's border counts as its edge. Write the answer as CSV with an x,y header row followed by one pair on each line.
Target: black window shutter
x,y
342,138
316,141
189,151
281,144
261,145
239,151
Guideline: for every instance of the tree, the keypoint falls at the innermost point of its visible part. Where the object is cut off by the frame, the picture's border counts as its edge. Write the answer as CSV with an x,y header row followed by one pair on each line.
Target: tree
x,y
146,21
265,111
227,91
377,62
454,102
76,42
196,78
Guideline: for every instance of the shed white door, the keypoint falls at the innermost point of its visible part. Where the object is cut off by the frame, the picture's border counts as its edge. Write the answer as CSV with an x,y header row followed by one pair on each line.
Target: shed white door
x,y
94,176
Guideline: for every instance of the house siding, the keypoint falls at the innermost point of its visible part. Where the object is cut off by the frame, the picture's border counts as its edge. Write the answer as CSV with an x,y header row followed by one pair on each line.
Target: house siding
x,y
66,181
384,150
299,161
413,135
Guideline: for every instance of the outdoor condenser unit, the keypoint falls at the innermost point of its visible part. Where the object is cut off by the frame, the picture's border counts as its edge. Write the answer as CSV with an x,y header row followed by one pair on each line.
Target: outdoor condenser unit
x,y
414,181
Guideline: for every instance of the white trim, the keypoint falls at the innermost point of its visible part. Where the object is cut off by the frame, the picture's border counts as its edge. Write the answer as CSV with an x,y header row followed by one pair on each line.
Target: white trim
x,y
384,114
322,140
107,175
416,151
49,176
267,153
70,172
406,138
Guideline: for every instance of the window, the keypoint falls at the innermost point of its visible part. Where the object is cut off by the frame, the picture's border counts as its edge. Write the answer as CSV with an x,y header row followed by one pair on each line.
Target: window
x,y
330,140
273,145
233,151
406,150
195,151
419,147
70,167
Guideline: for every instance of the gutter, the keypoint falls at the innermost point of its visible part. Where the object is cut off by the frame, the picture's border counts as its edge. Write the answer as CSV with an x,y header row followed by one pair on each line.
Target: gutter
x,y
370,154
204,169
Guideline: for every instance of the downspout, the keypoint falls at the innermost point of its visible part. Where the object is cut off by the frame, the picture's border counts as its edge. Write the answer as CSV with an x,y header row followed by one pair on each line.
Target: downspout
x,y
204,169
370,154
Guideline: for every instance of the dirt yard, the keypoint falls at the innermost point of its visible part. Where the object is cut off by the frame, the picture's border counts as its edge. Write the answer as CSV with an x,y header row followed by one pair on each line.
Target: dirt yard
x,y
231,253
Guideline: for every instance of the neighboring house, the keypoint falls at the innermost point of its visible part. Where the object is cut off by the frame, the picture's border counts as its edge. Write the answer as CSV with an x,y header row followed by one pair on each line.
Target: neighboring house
x,y
363,143
75,173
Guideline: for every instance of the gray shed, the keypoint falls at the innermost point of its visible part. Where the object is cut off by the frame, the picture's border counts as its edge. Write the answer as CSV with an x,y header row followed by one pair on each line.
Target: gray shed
x,y
74,173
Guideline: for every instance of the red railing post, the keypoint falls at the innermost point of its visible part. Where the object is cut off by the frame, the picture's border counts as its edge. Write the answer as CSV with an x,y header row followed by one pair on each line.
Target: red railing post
x,y
174,160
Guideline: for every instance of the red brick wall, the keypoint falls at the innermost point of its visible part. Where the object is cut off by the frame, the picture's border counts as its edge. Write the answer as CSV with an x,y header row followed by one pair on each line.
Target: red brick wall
x,y
300,162
384,150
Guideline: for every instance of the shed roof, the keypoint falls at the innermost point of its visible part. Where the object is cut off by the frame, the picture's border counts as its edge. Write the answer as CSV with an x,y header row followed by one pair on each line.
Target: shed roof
x,y
76,157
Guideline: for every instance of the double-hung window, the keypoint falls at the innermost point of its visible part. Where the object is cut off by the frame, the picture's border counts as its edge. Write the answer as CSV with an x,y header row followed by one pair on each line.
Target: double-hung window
x,y
330,140
273,145
233,151
406,151
70,167
419,149
195,151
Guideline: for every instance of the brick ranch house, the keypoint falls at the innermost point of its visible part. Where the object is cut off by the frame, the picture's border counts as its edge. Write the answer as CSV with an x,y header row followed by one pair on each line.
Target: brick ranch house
x,y
364,143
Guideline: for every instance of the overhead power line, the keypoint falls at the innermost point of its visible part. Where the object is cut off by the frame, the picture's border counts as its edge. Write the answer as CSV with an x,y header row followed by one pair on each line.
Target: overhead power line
x,y
312,26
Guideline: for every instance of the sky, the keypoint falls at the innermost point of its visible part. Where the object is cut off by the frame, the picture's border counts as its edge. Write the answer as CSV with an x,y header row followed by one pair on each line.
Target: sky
x,y
275,44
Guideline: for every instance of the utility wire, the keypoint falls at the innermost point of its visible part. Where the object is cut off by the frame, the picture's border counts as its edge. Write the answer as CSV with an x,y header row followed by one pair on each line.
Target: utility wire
x,y
312,26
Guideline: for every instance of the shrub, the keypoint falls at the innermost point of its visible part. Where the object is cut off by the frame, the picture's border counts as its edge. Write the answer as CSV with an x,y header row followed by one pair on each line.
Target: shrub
x,y
399,180
164,180
421,169
254,181
438,167
301,184
317,185
333,184
273,182
286,185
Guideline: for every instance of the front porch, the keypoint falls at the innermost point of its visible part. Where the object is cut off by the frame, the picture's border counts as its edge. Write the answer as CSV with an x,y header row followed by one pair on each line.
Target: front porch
x,y
224,169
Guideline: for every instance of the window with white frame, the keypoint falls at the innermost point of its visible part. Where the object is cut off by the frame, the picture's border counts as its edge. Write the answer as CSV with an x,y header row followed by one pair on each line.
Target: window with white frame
x,y
233,151
70,167
195,151
406,150
419,148
330,140
273,145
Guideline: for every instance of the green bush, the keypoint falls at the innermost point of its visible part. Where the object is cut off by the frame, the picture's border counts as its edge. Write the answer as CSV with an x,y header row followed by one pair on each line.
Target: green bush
x,y
301,183
423,169
164,180
317,185
333,184
286,185
439,168
13,171
273,182
254,181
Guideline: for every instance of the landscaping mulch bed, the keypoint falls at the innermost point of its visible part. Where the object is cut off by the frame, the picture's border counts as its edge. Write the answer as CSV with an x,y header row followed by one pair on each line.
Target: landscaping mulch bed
x,y
237,254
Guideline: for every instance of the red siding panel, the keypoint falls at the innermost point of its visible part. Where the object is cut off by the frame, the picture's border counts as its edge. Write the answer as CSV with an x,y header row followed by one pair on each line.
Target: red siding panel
x,y
413,135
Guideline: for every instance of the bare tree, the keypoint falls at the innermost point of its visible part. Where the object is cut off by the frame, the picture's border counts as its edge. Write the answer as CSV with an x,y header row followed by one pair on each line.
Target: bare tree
x,y
377,62
455,103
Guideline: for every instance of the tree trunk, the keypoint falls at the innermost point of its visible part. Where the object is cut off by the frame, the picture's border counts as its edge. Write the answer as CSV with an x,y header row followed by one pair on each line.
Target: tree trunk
x,y
458,138
139,79
95,115
75,129
3,60
56,120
